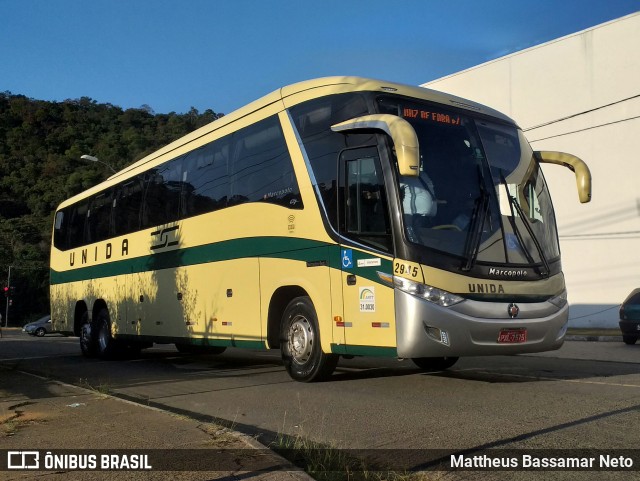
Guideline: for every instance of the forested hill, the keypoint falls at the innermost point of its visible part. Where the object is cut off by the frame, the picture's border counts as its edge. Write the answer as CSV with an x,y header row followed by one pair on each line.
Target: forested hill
x,y
40,147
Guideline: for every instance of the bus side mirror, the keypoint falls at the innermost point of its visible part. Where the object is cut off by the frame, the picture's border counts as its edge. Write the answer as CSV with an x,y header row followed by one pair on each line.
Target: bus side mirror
x,y
401,132
577,165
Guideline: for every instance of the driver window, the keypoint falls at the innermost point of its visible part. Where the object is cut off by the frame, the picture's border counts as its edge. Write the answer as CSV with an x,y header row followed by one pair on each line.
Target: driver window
x,y
365,215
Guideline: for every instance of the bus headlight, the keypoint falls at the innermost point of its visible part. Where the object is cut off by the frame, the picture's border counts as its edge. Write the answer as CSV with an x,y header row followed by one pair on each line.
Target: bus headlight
x,y
426,292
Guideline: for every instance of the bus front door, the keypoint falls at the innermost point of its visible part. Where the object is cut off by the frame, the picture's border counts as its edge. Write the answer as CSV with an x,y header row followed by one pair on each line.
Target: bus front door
x,y
368,303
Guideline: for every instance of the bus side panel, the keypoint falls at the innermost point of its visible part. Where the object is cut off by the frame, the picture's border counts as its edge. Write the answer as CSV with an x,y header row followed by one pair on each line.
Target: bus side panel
x,y
215,300
221,301
155,309
369,314
112,291
63,300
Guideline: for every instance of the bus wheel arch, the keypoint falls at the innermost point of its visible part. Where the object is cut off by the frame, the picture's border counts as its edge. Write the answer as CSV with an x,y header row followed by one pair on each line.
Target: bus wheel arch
x,y
279,302
80,316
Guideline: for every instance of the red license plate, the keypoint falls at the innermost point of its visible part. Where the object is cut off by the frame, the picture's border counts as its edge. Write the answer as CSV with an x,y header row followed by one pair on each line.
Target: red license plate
x,y
512,336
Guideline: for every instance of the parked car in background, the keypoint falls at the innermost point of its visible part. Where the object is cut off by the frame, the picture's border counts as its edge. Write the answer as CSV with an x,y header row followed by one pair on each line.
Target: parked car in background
x,y
630,317
40,327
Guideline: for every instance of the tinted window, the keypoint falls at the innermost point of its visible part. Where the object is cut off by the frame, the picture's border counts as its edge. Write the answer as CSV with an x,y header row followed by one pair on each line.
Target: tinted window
x,y
163,199
99,218
206,177
364,214
153,212
313,120
261,170
127,206
61,229
251,165
77,223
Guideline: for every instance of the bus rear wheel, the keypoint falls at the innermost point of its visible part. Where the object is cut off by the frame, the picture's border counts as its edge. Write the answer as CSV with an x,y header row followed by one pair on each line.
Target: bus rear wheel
x,y
300,343
106,344
88,344
434,363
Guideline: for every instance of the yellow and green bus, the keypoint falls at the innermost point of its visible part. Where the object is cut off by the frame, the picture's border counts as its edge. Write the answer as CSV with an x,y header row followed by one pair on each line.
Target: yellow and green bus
x,y
334,217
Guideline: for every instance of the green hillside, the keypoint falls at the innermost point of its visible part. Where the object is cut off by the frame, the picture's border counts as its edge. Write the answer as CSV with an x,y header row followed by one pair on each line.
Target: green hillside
x,y
40,148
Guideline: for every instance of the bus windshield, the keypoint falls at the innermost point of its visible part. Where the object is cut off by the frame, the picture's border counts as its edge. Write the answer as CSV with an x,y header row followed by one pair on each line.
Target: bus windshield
x,y
480,195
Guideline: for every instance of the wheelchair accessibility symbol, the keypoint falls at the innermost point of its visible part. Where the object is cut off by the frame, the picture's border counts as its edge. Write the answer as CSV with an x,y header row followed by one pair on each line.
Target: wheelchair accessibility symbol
x,y
347,258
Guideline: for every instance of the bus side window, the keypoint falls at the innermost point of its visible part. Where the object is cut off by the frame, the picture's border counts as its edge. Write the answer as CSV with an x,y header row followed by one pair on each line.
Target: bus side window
x,y
206,179
171,190
61,229
99,221
262,170
127,206
77,224
153,201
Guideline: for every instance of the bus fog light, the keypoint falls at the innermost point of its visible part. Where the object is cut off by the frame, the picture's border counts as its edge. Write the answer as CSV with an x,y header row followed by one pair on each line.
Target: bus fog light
x,y
437,334
434,333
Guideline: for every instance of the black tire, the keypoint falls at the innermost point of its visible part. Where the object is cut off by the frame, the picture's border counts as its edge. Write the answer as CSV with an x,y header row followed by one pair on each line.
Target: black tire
x,y
88,343
631,340
197,349
40,332
300,343
106,345
434,363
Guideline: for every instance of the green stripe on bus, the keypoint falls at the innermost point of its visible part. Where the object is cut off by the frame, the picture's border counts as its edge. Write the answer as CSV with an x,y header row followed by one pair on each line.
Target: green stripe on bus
x,y
196,341
304,250
364,350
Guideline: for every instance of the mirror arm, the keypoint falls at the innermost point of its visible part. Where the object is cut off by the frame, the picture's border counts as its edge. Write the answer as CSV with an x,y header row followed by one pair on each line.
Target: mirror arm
x,y
575,164
404,138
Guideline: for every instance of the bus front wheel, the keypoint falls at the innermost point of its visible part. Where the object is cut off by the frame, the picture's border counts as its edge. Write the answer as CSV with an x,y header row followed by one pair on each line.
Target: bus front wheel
x,y
434,363
300,343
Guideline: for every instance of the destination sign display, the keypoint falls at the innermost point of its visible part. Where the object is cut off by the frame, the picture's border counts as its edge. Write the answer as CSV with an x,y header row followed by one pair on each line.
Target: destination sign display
x,y
429,116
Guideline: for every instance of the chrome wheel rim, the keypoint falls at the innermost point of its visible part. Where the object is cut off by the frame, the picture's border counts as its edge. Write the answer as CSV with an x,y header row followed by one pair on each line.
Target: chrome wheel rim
x,y
103,336
85,336
301,339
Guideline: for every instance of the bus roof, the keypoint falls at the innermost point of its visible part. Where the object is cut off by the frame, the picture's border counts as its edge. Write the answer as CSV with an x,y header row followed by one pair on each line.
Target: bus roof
x,y
327,84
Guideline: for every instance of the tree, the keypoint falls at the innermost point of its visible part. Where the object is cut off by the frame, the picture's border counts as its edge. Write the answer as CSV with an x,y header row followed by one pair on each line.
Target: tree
x,y
40,146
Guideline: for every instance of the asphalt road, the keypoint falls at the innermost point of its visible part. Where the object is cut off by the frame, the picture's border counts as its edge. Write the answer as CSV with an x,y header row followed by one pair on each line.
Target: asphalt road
x,y
584,396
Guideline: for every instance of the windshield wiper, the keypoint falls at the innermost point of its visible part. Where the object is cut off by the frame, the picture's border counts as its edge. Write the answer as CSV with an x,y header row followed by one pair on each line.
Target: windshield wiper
x,y
478,216
514,205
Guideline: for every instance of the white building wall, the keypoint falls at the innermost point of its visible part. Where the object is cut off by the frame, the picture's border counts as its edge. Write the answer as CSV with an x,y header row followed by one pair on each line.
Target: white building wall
x,y
580,94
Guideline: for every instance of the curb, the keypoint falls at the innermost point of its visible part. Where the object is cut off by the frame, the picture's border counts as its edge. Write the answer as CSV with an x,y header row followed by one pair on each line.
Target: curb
x,y
580,337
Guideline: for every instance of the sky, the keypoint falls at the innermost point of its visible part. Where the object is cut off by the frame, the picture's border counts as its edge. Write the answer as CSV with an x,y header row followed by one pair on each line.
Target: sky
x,y
172,55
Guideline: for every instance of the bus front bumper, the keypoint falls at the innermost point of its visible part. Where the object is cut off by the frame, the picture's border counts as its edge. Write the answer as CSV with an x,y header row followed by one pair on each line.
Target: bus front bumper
x,y
473,328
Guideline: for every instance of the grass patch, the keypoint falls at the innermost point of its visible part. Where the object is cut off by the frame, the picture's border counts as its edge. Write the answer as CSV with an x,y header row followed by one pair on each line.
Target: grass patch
x,y
101,387
326,463
221,436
